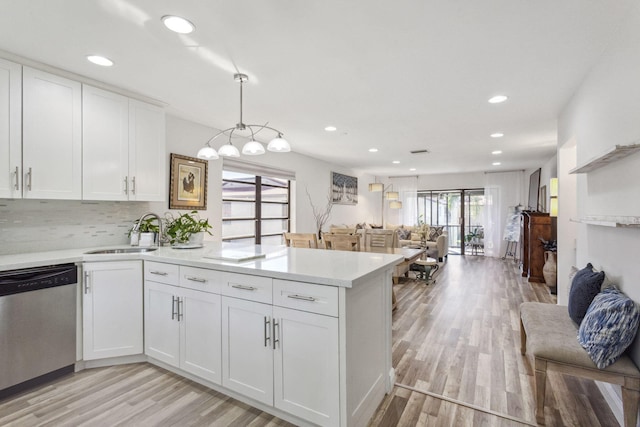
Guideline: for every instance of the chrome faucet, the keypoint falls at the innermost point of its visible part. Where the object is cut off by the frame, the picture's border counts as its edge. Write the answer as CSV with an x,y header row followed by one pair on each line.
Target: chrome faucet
x,y
161,237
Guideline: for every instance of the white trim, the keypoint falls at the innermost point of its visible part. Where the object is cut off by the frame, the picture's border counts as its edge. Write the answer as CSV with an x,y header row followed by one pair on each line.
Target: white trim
x,y
613,399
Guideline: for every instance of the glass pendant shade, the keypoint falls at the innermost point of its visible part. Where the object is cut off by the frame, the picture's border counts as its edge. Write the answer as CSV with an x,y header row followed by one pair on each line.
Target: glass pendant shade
x,y
376,186
392,195
279,145
228,150
207,153
253,148
395,204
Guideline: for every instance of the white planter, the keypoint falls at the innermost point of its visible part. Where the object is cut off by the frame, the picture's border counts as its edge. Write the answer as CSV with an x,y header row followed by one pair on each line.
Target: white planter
x,y
196,238
147,239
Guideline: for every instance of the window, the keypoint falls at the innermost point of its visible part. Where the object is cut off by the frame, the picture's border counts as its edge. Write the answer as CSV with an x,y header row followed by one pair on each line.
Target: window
x,y
255,208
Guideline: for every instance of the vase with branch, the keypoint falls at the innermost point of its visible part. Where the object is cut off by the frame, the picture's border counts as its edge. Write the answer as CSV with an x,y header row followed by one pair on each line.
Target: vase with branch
x,y
320,213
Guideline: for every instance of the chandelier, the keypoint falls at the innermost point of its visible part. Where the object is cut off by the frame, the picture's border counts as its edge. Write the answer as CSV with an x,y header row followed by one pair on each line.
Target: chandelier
x,y
251,148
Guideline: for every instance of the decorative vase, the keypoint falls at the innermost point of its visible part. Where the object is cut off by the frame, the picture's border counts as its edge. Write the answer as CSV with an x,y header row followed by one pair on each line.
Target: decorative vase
x,y
550,270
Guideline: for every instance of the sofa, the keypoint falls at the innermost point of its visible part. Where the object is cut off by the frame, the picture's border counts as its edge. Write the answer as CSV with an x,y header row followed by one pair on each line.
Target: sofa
x,y
434,239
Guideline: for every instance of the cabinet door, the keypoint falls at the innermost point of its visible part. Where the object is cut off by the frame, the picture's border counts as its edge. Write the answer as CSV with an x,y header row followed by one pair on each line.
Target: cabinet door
x,y
306,369
112,309
51,136
147,153
200,334
10,129
247,354
162,330
105,145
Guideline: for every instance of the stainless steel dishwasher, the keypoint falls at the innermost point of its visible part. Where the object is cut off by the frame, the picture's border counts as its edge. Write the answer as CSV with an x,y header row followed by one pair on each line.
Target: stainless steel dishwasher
x,y
37,325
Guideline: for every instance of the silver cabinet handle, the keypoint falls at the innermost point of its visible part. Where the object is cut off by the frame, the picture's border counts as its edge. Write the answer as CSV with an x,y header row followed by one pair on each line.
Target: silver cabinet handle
x,y
276,333
126,184
267,329
244,288
133,185
29,176
196,279
86,282
180,308
17,174
173,307
302,297
159,273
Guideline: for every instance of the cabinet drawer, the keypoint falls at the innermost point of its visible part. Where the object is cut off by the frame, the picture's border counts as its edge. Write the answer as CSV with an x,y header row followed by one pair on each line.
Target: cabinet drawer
x,y
306,296
253,288
161,273
201,279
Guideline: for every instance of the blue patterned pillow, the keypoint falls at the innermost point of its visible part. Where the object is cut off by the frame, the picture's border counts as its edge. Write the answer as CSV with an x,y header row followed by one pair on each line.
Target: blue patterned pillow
x,y
609,326
584,287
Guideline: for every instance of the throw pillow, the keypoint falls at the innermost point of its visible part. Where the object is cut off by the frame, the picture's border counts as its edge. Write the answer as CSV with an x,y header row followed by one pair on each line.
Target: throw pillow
x,y
584,287
609,326
434,233
404,234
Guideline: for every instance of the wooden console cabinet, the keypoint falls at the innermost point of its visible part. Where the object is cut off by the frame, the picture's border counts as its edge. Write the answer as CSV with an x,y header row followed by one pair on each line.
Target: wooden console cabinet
x,y
533,225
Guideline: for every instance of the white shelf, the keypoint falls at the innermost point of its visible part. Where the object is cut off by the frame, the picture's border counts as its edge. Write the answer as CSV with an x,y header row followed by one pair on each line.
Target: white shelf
x,y
611,221
614,153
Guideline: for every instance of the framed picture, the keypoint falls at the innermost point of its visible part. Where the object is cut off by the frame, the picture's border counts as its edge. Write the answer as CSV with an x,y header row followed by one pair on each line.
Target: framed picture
x,y
542,203
188,186
344,189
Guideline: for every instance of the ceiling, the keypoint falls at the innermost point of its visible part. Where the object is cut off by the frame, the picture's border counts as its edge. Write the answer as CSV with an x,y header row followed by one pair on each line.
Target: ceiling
x,y
393,75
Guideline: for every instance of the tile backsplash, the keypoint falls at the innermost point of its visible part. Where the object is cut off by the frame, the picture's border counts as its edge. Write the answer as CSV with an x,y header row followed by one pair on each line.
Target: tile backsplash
x,y
47,225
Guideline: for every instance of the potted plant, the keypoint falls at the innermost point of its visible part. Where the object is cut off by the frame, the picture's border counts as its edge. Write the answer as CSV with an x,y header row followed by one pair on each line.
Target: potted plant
x,y
144,232
549,270
186,228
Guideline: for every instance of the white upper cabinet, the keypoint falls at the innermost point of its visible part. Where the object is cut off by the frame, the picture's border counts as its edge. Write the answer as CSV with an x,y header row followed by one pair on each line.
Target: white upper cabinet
x,y
51,132
147,152
105,145
124,154
10,129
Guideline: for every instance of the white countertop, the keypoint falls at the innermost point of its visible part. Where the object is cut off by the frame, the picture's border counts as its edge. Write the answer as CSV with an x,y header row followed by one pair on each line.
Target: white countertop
x,y
335,268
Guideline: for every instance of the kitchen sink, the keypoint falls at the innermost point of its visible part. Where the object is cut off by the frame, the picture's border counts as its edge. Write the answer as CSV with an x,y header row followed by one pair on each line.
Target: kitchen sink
x,y
121,251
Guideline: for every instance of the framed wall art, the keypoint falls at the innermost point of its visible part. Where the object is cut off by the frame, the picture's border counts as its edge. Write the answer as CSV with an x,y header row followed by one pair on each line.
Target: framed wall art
x,y
188,184
344,189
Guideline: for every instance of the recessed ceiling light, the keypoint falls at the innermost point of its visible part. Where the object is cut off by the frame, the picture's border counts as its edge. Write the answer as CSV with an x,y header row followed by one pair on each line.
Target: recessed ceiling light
x,y
497,99
331,128
497,135
178,24
100,60
412,169
496,152
373,150
395,162
496,163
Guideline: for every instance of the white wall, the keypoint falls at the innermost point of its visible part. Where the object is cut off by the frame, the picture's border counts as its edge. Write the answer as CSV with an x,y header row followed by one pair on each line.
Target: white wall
x,y
604,112
42,225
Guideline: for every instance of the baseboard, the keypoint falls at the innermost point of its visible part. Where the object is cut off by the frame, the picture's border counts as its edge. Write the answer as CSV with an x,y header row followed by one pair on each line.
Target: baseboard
x,y
613,399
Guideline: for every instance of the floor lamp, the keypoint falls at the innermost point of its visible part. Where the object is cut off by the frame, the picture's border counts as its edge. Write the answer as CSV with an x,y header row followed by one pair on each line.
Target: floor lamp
x,y
392,196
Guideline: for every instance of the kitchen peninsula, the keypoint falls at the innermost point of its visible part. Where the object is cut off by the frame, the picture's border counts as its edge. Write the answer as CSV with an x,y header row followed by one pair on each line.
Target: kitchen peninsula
x,y
304,334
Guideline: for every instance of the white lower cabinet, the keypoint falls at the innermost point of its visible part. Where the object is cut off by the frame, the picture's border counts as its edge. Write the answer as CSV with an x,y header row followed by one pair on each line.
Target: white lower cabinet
x,y
112,309
306,366
282,357
182,328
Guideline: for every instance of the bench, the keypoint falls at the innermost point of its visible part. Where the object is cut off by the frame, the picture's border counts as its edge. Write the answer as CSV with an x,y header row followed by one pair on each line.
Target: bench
x,y
551,338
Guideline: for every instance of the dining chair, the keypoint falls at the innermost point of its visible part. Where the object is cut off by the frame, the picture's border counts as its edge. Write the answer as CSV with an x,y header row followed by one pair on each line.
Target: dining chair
x,y
301,240
378,238
342,242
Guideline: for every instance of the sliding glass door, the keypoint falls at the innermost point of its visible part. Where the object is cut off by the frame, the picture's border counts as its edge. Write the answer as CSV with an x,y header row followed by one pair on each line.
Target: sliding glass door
x,y
458,211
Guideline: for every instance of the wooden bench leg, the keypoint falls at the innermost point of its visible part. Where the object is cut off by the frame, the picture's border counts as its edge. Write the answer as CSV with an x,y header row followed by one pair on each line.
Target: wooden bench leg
x,y
630,398
540,383
523,339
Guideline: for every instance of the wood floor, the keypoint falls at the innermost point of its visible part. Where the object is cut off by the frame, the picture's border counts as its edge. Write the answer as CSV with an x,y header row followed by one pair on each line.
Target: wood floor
x,y
457,338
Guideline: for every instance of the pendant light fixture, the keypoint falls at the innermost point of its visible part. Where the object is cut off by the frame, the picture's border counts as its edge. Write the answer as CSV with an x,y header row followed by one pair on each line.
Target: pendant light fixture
x,y
251,148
